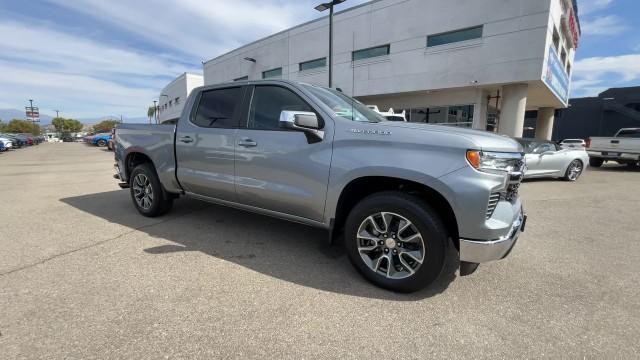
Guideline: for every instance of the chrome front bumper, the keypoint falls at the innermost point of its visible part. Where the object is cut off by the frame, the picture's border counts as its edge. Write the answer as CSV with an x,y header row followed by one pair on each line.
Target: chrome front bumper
x,y
478,251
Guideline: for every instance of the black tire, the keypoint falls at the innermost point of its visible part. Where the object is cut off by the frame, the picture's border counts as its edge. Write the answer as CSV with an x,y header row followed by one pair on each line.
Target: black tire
x,y
161,202
102,143
425,219
567,173
595,162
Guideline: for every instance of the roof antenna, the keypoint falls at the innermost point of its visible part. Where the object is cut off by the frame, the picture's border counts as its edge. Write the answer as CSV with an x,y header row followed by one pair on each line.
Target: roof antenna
x,y
339,89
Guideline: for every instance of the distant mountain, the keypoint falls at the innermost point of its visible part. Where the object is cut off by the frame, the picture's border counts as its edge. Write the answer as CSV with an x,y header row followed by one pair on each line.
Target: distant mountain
x,y
7,115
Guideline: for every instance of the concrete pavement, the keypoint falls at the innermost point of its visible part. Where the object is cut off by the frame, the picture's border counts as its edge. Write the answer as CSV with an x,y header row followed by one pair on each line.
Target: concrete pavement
x,y
83,275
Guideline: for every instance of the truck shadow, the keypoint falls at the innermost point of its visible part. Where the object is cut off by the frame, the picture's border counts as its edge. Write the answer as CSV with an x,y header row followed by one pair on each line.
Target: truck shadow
x,y
612,167
276,248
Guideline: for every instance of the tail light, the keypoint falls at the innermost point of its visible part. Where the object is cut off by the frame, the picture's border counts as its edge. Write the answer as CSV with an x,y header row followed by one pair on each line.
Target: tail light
x,y
588,142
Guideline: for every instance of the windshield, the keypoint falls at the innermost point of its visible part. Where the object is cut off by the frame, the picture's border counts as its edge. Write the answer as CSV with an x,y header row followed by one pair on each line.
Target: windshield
x,y
344,106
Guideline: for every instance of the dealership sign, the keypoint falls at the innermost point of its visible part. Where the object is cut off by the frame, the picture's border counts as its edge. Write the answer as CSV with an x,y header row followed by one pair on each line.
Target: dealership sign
x,y
33,113
556,77
573,28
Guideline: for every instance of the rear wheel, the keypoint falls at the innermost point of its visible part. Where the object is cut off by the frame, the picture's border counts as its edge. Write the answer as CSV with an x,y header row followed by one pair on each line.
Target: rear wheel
x,y
595,162
146,192
574,170
396,241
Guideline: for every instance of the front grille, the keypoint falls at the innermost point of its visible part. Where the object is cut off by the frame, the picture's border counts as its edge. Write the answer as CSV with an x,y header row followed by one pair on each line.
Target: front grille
x,y
491,205
515,178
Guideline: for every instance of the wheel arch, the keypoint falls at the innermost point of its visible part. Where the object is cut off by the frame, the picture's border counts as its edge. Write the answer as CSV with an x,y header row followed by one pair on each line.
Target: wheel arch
x,y
135,158
361,187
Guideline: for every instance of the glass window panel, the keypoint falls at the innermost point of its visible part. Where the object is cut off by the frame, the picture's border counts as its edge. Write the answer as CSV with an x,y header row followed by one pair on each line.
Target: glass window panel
x,y
269,74
267,104
454,36
313,64
217,108
371,52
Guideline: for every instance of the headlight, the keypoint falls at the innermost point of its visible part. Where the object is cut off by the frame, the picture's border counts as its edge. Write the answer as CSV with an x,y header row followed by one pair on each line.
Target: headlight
x,y
495,162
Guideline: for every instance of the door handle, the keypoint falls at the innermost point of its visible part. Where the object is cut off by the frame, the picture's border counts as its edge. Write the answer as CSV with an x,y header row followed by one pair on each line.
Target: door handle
x,y
186,139
246,142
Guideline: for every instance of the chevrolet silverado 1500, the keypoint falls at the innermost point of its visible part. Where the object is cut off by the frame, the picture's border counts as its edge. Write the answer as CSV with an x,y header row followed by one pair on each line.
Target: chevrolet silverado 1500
x,y
623,148
400,195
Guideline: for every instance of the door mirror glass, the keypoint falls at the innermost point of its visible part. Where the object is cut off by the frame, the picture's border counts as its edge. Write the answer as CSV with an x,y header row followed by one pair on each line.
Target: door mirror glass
x,y
305,121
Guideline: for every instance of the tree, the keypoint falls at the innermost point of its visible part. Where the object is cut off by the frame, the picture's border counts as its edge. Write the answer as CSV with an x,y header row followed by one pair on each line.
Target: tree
x,y
105,126
22,126
151,112
63,125
3,126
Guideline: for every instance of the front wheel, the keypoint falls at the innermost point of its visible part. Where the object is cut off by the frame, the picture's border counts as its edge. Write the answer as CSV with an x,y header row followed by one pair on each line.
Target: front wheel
x,y
102,143
574,170
146,192
396,241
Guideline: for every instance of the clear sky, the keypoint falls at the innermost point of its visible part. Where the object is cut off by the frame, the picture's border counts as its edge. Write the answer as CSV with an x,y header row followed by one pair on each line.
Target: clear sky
x,y
111,57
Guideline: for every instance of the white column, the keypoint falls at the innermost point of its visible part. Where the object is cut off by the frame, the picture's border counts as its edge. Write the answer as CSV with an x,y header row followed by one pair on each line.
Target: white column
x,y
514,104
480,110
544,123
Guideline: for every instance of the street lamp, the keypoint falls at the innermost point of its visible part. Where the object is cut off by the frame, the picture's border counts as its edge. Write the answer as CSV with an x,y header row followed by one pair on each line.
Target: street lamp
x,y
322,7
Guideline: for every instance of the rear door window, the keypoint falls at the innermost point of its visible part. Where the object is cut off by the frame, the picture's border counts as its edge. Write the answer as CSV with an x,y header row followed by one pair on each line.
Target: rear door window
x,y
218,108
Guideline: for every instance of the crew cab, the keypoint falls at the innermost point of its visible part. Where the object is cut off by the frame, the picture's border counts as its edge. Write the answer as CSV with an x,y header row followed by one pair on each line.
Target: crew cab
x,y
623,148
402,196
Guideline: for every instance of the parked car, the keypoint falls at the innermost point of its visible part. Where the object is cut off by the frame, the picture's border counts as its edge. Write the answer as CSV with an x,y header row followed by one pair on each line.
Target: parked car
x,y
68,138
573,144
404,195
623,148
17,141
548,159
100,140
390,115
5,143
24,139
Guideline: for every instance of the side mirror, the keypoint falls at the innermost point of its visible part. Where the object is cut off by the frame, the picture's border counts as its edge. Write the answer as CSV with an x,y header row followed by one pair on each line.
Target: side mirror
x,y
548,152
304,121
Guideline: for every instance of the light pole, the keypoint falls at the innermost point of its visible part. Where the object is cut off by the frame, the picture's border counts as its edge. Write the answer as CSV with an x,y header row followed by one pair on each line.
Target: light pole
x,y
57,113
322,7
31,108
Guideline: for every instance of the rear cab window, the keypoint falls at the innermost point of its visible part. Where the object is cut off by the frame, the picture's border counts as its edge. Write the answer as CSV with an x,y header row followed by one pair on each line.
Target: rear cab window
x,y
218,108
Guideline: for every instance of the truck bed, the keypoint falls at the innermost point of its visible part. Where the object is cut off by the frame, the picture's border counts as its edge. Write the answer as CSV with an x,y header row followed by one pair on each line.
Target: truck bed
x,y
155,141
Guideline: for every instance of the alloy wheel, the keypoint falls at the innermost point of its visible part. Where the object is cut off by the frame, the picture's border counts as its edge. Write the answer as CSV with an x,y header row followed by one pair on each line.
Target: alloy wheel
x,y
390,245
575,169
142,191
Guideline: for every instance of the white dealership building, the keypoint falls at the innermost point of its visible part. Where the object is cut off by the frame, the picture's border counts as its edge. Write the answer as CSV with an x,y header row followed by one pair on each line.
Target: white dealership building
x,y
475,63
173,96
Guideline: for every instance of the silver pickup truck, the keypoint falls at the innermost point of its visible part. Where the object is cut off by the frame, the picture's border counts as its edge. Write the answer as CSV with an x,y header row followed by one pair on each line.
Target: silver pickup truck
x,y
401,195
623,148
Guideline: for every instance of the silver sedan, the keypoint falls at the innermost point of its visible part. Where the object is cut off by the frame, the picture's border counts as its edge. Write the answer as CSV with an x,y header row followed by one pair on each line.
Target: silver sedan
x,y
547,159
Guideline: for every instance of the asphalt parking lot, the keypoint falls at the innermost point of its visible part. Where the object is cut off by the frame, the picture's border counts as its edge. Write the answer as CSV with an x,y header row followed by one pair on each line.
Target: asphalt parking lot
x,y
82,275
